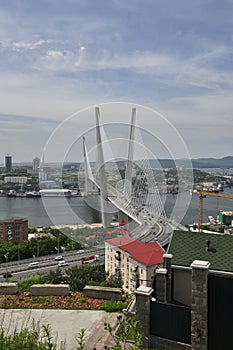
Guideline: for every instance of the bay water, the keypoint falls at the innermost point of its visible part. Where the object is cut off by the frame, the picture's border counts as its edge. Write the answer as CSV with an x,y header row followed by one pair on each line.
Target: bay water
x,y
37,213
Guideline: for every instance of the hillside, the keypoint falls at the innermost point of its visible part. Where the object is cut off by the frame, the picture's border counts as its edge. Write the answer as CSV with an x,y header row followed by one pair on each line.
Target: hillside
x,y
198,163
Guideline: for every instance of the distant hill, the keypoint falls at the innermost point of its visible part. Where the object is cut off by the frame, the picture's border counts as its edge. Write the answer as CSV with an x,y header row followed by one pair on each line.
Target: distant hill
x,y
226,162
198,163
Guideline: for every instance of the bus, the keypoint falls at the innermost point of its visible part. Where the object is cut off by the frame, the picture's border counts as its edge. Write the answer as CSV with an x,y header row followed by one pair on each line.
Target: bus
x,y
90,259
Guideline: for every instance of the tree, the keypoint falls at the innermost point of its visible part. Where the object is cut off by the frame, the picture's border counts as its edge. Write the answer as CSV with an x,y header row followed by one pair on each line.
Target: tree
x,y
80,276
115,280
55,276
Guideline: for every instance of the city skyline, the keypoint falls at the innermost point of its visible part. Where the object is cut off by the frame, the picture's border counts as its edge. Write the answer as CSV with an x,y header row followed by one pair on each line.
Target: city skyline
x,y
61,57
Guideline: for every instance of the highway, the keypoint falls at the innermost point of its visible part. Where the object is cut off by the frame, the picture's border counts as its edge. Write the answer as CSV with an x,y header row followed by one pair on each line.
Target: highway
x,y
21,271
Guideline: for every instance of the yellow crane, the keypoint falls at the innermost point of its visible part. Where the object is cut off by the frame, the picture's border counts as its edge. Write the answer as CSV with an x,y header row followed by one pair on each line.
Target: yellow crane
x,y
202,194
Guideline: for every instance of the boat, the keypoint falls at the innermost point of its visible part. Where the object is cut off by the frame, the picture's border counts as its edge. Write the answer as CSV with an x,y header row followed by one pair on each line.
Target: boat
x,y
11,194
56,192
33,194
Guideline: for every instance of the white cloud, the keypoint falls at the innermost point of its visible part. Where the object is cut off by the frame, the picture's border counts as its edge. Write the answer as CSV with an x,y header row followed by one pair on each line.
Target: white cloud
x,y
56,59
54,53
28,45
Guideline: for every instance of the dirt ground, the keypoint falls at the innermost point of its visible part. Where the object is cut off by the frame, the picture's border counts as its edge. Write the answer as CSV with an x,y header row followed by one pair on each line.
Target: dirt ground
x,y
72,301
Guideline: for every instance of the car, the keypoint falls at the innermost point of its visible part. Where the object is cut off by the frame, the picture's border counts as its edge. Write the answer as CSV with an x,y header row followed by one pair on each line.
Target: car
x,y
34,264
80,251
7,275
62,263
58,258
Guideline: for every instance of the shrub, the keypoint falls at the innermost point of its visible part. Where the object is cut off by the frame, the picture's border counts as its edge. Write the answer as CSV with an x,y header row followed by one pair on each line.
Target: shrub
x,y
26,284
83,300
36,338
114,306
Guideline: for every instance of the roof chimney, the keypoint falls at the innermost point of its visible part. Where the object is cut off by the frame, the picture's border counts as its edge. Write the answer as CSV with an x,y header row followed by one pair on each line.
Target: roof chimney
x,y
207,245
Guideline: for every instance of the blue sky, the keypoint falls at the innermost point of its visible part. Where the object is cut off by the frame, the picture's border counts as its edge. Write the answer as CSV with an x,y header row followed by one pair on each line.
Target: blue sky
x,y
57,57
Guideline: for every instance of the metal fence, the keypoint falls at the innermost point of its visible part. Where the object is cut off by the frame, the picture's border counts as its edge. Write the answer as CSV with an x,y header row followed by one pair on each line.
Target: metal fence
x,y
171,322
220,313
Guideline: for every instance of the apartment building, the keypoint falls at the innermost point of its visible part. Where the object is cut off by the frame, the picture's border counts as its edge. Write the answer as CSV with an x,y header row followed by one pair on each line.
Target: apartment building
x,y
13,229
135,261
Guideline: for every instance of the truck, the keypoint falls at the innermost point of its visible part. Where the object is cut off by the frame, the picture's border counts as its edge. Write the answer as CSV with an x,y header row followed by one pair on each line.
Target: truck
x,y
90,259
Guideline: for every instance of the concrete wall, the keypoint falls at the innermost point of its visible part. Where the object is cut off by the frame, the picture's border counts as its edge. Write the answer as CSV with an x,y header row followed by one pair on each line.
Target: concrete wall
x,y
8,288
198,281
182,287
50,289
107,293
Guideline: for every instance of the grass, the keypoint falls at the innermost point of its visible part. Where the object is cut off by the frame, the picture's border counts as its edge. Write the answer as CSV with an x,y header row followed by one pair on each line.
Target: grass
x,y
38,300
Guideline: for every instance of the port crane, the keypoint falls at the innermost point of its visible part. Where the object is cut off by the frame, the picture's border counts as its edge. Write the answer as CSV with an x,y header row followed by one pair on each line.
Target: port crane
x,y
202,194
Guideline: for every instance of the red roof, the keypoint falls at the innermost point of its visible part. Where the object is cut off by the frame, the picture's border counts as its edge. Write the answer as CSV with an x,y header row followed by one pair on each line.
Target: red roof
x,y
147,254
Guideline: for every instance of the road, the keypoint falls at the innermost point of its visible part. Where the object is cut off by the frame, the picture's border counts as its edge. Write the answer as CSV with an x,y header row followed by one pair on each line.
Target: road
x,y
21,271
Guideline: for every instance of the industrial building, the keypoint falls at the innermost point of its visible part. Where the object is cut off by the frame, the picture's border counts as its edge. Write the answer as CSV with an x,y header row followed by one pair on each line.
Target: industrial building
x,y
225,217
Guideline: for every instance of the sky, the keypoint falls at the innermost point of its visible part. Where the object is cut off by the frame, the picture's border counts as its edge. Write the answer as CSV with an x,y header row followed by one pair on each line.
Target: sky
x,y
59,57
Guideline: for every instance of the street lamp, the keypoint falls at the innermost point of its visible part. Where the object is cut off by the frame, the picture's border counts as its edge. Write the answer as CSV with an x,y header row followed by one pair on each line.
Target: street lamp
x,y
57,248
18,252
38,249
7,258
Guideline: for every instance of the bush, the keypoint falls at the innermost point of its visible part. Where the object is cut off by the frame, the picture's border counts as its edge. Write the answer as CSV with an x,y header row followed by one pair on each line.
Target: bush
x,y
114,306
80,276
35,338
26,284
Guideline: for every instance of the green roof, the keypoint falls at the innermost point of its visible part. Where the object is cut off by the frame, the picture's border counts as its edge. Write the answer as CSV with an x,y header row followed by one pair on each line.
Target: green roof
x,y
186,246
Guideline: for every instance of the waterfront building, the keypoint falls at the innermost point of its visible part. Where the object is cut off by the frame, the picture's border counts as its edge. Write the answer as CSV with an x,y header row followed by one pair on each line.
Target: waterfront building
x,y
16,179
13,229
225,217
134,261
8,164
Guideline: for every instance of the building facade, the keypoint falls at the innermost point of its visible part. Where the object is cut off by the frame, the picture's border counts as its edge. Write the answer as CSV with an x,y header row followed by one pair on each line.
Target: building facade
x,y
134,261
225,217
8,164
36,165
13,230
16,179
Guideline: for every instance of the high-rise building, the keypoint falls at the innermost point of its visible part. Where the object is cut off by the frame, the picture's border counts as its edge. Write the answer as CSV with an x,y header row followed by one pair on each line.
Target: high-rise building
x,y
8,164
36,165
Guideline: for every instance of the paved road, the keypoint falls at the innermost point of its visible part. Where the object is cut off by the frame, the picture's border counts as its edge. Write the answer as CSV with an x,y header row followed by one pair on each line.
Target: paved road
x,y
21,271
65,324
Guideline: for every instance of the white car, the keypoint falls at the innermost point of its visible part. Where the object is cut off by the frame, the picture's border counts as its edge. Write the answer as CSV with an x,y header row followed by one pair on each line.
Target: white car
x,y
62,263
57,258
80,251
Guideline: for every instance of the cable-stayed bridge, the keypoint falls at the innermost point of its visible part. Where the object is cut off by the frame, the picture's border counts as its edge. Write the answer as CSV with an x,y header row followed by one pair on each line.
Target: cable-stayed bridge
x,y
133,192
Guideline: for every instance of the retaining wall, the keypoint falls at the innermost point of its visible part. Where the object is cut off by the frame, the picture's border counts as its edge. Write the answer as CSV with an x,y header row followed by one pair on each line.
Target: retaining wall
x,y
107,293
50,289
8,288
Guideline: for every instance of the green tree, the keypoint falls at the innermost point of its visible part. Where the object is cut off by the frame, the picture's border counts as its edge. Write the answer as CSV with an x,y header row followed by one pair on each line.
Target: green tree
x,y
55,276
79,276
115,280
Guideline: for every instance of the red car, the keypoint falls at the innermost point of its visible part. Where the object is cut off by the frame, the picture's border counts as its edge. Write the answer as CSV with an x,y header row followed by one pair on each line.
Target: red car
x,y
7,275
